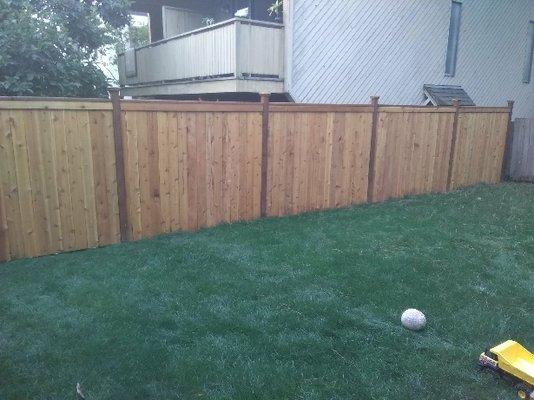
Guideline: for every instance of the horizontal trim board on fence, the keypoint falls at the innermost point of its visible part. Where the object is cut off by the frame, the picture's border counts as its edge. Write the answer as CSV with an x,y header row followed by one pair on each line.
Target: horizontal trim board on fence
x,y
55,105
161,106
482,110
55,99
451,110
313,108
413,110
81,174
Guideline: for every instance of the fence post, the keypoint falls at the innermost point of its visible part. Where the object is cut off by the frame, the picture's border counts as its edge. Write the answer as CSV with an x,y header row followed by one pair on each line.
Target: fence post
x,y
264,151
508,144
119,162
372,155
454,137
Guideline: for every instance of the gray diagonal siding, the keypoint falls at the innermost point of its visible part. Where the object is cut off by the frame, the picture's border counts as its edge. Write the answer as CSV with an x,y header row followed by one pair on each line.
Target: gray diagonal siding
x,y
347,50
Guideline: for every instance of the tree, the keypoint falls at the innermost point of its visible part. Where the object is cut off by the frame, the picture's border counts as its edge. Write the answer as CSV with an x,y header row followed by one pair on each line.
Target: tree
x,y
276,8
49,47
135,36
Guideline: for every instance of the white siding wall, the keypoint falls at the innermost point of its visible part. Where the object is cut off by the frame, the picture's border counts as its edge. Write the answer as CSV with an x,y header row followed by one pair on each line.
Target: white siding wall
x,y
344,51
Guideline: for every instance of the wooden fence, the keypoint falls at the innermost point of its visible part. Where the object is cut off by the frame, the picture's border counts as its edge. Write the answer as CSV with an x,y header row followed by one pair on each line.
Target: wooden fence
x,y
88,173
521,151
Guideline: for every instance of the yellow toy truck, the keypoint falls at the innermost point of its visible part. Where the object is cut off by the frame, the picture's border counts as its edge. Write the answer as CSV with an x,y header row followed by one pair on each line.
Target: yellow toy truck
x,y
514,363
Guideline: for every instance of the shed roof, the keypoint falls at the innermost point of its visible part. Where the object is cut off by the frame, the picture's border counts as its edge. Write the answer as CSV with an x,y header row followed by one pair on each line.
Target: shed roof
x,y
443,95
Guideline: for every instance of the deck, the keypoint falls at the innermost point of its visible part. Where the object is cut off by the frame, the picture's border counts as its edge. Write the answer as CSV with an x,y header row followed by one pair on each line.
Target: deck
x,y
237,55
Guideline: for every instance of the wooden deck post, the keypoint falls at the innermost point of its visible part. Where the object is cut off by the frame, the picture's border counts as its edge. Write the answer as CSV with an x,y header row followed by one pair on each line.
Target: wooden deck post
x,y
119,163
454,138
264,152
372,155
508,144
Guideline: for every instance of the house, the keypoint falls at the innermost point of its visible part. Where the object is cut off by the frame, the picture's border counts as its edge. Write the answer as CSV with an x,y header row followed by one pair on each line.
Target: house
x,y
338,51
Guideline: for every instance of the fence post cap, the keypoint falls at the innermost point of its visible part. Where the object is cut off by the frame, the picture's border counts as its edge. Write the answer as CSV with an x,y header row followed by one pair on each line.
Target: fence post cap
x,y
114,93
265,98
511,103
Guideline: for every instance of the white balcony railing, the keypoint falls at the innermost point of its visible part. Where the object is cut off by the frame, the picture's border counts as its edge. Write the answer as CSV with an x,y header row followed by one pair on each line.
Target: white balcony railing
x,y
237,48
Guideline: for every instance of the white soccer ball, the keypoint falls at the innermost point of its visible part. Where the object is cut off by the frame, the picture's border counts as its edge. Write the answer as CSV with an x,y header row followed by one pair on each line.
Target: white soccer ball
x,y
413,319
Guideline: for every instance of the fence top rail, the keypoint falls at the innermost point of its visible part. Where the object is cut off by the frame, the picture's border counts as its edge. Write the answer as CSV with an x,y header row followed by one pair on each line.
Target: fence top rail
x,y
71,103
41,103
189,106
312,108
299,107
39,98
477,110
416,109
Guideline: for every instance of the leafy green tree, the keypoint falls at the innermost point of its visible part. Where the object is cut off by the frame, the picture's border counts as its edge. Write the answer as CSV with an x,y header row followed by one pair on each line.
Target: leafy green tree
x,y
133,37
49,47
276,8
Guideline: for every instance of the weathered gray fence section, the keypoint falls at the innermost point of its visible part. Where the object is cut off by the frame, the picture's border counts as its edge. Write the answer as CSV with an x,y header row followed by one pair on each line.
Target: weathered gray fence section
x,y
521,158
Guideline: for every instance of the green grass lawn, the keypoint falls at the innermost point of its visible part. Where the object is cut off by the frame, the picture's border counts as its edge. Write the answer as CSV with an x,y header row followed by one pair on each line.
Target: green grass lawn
x,y
304,307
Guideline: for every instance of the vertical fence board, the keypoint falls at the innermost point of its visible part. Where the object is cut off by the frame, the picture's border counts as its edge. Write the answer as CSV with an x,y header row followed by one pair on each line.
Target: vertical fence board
x,y
181,138
173,174
110,166
164,152
29,238
41,222
49,163
154,174
131,172
211,164
85,146
202,182
10,188
76,179
142,129
66,213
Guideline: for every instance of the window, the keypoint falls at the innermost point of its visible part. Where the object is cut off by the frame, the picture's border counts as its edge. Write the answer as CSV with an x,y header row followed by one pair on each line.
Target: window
x,y
527,71
454,34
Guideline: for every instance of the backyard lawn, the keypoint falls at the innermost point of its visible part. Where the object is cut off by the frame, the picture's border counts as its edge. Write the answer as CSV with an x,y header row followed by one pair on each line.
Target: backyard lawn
x,y
304,307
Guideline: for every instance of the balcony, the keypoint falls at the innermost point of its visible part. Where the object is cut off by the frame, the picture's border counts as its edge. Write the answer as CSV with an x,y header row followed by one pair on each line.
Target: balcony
x,y
234,56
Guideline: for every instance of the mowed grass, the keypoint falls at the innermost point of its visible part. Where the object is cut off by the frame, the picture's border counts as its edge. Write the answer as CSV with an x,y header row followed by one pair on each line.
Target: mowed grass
x,y
303,307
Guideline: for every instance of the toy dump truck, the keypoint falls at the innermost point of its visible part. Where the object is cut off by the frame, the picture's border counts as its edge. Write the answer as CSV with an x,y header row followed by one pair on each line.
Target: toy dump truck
x,y
514,363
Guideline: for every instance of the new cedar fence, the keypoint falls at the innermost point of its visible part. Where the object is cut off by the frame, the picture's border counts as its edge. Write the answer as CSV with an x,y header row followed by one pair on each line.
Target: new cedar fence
x,y
521,151
85,173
